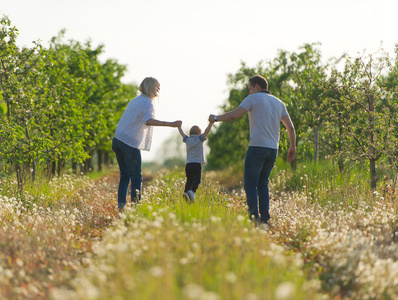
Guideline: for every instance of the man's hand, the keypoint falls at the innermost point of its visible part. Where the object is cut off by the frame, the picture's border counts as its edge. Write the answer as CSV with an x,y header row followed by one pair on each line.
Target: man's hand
x,y
211,118
291,154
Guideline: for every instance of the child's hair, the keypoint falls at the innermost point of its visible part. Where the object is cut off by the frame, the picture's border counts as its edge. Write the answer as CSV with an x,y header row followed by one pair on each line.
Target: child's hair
x,y
195,130
149,87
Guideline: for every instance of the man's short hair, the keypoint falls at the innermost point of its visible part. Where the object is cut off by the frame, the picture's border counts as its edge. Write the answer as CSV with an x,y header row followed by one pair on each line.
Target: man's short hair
x,y
260,80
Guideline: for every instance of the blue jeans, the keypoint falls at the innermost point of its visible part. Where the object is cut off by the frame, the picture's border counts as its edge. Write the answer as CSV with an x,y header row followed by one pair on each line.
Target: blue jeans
x,y
259,162
129,160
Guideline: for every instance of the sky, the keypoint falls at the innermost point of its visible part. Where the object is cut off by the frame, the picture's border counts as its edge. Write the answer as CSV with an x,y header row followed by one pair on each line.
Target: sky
x,y
192,46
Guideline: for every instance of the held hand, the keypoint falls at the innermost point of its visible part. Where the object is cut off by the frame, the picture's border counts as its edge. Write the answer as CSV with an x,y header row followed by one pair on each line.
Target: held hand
x,y
291,154
176,124
211,118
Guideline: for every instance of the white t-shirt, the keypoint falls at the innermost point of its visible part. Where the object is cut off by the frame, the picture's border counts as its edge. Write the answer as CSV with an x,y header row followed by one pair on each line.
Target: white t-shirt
x,y
131,128
265,114
195,148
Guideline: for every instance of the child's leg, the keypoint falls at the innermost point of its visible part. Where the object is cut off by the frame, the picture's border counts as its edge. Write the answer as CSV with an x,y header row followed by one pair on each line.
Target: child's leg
x,y
196,176
188,174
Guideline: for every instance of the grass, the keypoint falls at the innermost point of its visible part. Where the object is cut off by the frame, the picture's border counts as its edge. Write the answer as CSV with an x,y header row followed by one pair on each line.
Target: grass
x,y
165,248
329,238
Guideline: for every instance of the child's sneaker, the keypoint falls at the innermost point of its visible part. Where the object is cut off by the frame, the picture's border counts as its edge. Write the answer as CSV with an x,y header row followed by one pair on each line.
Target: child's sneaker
x,y
191,195
186,197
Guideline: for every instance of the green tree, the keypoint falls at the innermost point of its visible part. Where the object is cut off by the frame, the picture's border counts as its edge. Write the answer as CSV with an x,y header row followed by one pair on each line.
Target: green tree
x,y
292,77
364,107
20,136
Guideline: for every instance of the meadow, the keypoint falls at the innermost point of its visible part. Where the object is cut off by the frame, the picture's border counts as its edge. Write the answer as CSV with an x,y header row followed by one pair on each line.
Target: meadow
x,y
329,238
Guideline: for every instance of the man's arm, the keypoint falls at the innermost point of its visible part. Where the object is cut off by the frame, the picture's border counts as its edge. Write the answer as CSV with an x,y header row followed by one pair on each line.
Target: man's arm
x,y
229,116
292,137
181,131
208,128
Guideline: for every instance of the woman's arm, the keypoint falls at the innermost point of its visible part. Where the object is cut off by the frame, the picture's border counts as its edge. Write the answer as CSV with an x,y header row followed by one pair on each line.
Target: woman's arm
x,y
155,122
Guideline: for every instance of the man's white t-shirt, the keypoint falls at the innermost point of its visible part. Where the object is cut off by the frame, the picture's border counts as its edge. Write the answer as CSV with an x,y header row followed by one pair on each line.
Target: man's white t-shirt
x,y
265,114
131,128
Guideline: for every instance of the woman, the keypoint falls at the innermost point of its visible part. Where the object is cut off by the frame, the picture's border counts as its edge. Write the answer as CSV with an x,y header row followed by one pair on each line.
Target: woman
x,y
133,134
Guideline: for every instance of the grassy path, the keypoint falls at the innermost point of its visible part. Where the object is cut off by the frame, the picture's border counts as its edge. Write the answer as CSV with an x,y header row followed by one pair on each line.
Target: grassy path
x,y
165,248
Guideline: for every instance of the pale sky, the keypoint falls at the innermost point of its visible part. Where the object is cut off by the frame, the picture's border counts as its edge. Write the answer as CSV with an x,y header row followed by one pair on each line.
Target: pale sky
x,y
191,46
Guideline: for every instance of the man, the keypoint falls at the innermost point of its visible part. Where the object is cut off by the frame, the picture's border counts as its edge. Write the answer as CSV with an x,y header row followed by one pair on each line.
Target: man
x,y
265,114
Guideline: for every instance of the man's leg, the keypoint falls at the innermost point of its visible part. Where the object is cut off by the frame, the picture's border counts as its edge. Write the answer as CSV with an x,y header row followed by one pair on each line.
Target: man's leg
x,y
263,191
253,166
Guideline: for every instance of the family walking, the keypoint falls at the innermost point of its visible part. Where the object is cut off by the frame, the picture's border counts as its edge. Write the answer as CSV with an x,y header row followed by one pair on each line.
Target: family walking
x,y
266,112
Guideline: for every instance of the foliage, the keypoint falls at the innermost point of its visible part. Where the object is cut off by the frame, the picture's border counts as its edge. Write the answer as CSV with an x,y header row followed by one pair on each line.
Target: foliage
x,y
292,77
363,108
344,115
58,104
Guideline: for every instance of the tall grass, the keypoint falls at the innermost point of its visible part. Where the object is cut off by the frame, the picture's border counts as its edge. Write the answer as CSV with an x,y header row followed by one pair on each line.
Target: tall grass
x,y
166,248
325,184
329,238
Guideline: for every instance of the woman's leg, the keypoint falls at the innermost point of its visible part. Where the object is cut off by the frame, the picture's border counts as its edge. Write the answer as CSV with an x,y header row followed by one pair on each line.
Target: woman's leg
x,y
124,175
130,164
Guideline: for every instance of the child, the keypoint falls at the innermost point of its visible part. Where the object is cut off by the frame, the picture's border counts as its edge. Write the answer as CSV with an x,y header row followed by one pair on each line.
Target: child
x,y
195,159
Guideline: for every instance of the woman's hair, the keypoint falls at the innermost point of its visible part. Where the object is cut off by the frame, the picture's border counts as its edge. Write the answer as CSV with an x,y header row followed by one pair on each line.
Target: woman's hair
x,y
149,87
260,80
195,130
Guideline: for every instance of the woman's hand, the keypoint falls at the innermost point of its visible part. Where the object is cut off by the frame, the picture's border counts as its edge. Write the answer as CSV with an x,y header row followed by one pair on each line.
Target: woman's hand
x,y
176,124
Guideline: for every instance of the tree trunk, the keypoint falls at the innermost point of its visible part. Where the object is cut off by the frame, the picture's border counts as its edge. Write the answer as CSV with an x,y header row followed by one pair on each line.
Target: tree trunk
x,y
373,177
59,166
316,144
53,167
372,148
341,161
100,154
18,172
106,158
74,167
33,170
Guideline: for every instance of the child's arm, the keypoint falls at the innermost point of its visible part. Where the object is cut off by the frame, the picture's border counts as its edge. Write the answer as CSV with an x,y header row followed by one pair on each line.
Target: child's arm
x,y
181,131
207,130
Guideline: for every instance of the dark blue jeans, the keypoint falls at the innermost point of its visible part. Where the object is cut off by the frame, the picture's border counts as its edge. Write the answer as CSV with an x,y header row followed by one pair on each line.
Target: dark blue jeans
x,y
259,162
130,163
193,171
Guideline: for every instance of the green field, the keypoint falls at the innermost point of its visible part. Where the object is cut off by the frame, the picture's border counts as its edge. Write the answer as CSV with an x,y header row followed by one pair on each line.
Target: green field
x,y
326,239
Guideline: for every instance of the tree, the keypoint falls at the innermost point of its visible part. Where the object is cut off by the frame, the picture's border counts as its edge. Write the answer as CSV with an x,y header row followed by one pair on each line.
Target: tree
x,y
364,106
292,77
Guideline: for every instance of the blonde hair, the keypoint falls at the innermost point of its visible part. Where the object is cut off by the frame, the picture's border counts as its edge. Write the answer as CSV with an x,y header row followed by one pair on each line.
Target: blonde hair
x,y
149,87
195,130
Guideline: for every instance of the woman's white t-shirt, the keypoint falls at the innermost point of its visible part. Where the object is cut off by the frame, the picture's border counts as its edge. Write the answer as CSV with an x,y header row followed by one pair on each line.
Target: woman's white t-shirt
x,y
131,128
265,114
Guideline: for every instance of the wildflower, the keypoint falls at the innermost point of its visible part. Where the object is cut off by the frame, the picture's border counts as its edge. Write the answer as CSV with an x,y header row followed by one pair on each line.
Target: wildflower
x,y
240,218
193,291
285,290
230,277
156,271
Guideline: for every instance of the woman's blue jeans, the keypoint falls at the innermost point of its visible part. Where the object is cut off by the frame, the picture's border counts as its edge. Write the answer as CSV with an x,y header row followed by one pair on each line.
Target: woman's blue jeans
x,y
259,162
130,163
